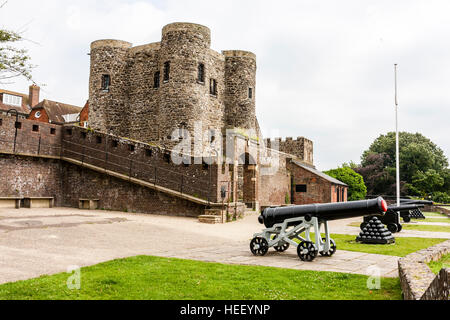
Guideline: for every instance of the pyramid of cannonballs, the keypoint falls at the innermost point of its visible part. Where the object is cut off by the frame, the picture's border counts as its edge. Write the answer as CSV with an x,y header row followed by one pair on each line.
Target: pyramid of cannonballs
x,y
375,232
416,214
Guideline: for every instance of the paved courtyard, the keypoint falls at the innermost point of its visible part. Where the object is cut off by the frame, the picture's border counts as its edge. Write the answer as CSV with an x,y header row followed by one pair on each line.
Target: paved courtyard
x,y
34,242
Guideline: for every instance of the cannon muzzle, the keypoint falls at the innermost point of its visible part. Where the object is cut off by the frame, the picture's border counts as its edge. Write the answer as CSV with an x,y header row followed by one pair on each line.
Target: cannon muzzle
x,y
324,211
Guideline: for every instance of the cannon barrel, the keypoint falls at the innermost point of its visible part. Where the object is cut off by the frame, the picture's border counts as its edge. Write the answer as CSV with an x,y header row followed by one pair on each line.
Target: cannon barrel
x,y
405,207
324,211
410,201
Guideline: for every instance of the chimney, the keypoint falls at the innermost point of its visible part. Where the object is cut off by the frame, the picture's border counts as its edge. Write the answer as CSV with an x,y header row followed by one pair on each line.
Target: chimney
x,y
33,97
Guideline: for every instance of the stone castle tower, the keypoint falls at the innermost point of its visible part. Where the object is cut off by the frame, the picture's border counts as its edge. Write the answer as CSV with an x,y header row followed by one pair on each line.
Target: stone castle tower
x,y
146,92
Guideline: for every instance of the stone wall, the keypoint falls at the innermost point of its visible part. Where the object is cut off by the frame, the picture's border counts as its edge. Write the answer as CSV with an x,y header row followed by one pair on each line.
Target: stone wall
x,y
418,281
119,195
32,137
30,177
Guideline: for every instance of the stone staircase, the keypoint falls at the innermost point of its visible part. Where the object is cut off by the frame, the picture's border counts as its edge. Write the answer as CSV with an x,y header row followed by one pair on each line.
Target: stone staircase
x,y
213,216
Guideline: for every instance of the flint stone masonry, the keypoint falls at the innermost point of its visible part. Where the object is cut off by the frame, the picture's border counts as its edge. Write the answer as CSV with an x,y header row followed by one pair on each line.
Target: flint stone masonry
x,y
133,107
418,282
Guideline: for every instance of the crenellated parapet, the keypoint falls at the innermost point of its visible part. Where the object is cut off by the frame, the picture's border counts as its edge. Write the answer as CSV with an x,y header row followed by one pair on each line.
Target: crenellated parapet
x,y
301,147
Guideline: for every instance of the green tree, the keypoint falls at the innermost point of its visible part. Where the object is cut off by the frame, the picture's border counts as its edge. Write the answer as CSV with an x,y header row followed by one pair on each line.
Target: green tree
x,y
14,62
356,188
423,165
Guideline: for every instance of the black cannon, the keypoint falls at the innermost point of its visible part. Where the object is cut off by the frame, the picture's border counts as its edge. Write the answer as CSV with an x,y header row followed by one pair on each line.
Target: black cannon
x,y
392,216
417,213
286,224
411,201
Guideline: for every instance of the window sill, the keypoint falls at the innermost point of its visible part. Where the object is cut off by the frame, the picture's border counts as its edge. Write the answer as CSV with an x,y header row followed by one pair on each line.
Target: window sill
x,y
213,95
200,82
104,90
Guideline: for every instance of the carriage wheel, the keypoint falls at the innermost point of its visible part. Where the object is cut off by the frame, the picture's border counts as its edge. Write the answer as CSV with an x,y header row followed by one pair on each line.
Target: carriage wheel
x,y
332,248
306,251
259,246
392,227
282,248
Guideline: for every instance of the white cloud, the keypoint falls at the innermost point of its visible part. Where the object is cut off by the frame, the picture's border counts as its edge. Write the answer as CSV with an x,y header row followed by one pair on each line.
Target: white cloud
x,y
325,68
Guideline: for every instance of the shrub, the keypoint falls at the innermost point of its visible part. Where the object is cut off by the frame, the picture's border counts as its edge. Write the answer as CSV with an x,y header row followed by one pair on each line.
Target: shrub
x,y
441,197
356,188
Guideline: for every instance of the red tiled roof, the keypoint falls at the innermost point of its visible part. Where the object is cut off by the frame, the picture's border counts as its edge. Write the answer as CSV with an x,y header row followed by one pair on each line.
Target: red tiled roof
x,y
55,110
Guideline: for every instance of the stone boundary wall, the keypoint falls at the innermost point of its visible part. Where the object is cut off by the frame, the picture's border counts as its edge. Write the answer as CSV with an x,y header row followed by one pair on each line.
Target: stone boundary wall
x,y
442,210
33,137
417,280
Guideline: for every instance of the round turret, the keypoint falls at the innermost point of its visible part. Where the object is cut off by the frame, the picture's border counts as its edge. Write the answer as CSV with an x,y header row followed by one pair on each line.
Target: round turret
x,y
186,34
106,86
183,98
240,82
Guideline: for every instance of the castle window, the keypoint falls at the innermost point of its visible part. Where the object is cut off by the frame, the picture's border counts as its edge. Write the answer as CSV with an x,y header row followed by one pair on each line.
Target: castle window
x,y
131,147
148,152
213,87
52,131
114,143
35,128
69,132
99,139
83,135
1,122
166,71
18,125
250,93
201,73
106,81
156,77
300,188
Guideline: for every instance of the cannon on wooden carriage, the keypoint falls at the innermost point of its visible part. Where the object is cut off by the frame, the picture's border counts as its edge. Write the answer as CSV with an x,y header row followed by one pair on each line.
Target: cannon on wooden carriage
x,y
285,225
392,216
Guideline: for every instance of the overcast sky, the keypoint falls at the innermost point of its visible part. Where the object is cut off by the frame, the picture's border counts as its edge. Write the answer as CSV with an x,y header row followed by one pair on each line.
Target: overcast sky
x,y
325,68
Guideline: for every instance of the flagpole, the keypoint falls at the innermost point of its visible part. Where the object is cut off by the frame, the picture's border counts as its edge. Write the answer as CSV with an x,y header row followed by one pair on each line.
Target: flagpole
x,y
397,152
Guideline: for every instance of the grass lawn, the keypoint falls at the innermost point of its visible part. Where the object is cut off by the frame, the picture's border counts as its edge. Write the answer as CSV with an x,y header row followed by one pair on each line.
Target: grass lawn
x,y
434,214
417,227
436,266
444,220
146,277
401,247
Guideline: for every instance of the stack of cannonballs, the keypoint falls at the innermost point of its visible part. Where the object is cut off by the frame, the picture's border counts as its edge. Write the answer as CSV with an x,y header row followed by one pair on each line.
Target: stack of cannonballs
x,y
416,214
375,232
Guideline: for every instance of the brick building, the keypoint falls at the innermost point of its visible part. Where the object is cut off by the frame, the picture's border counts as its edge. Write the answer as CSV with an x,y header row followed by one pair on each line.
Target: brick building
x,y
55,112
